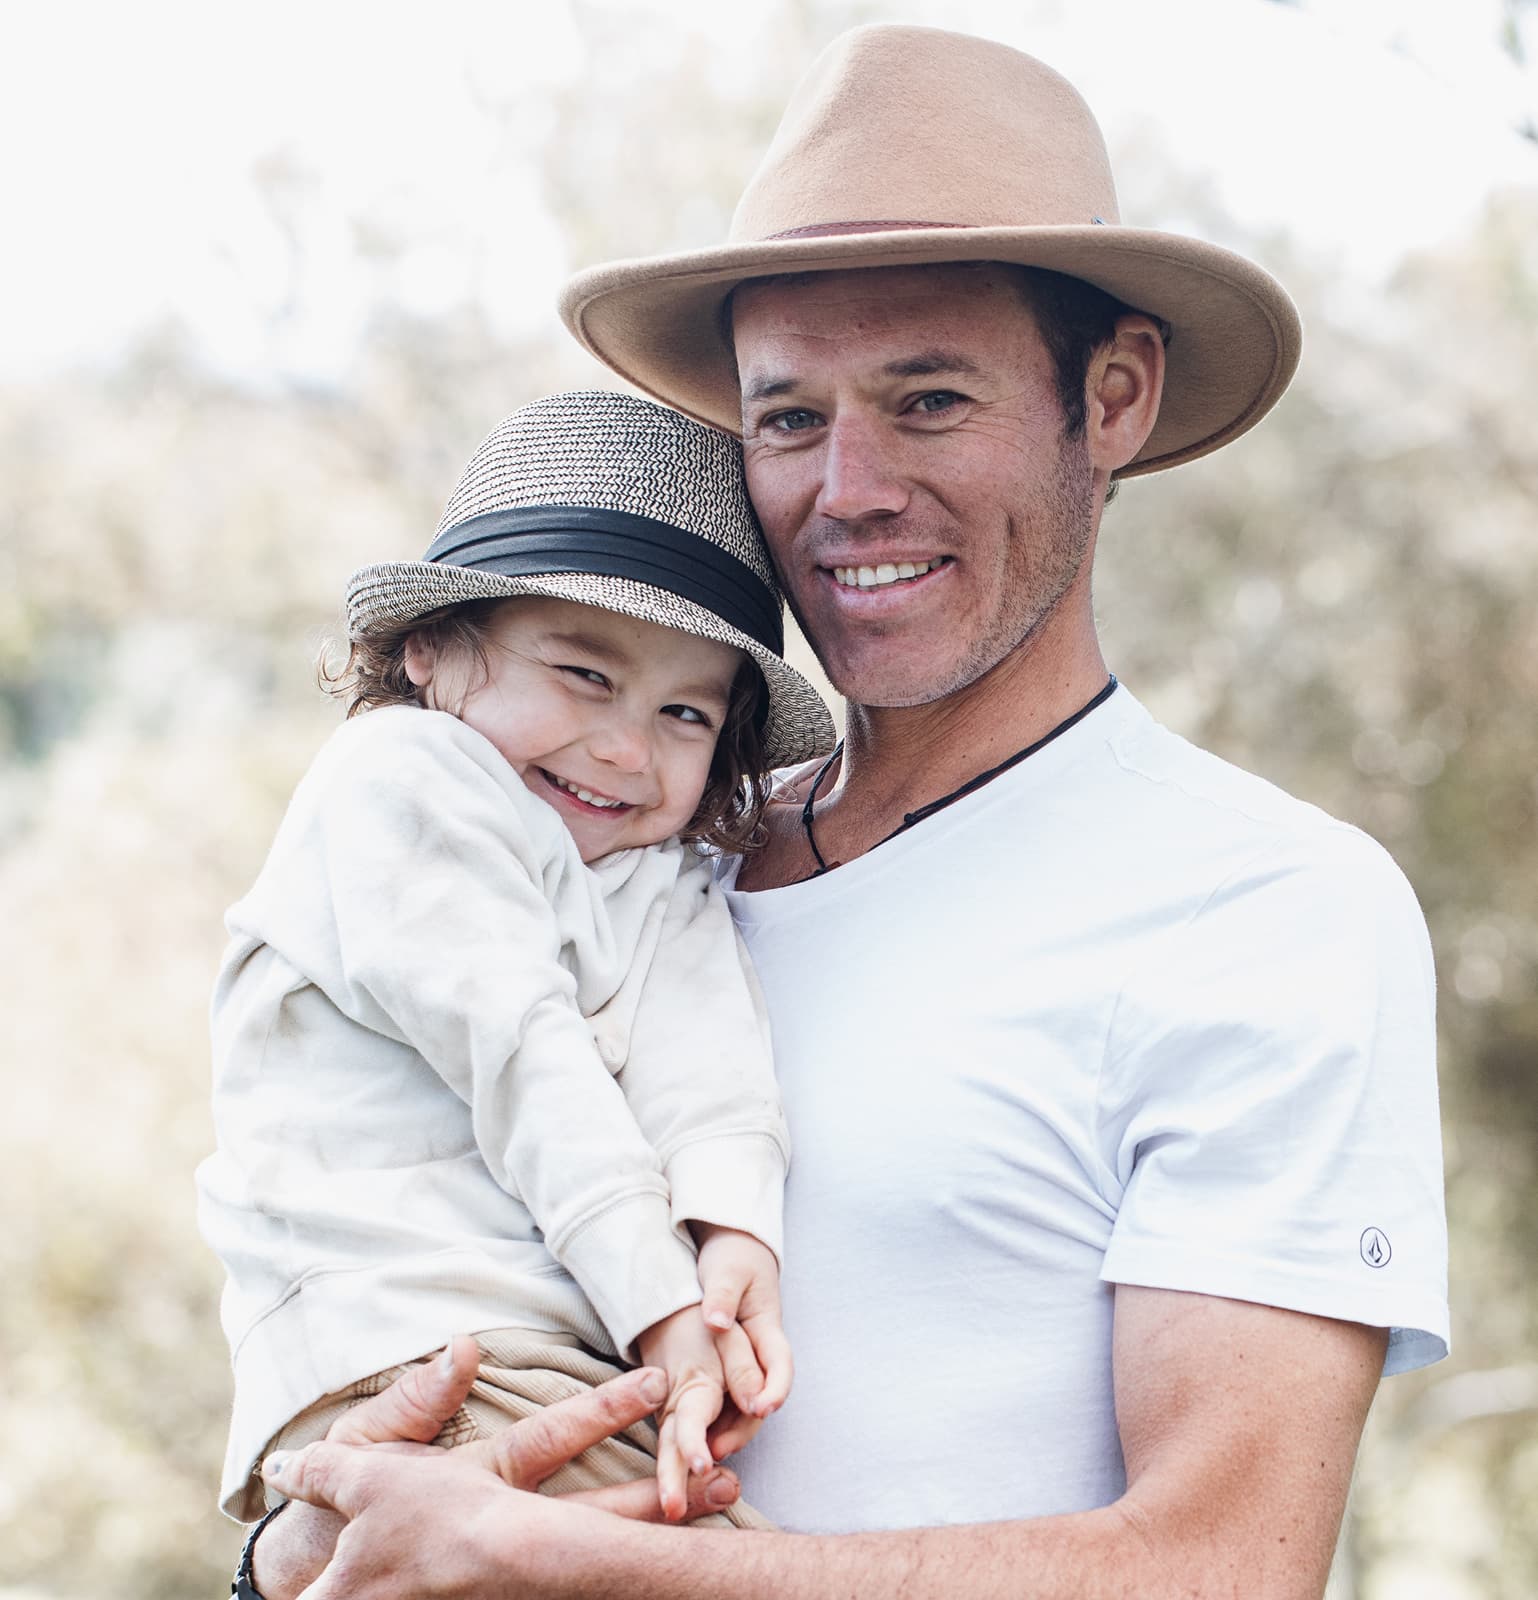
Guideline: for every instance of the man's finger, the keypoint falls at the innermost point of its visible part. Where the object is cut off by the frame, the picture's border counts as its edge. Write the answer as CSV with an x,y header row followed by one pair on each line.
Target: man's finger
x,y
528,1452
325,1473
639,1501
418,1404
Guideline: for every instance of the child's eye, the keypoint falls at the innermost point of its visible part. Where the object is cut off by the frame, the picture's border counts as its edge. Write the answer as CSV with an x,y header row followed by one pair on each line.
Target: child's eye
x,y
590,674
691,714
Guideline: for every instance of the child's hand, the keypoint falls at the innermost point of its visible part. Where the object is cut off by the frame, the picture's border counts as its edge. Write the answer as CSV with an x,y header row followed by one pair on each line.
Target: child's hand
x,y
685,1349
740,1280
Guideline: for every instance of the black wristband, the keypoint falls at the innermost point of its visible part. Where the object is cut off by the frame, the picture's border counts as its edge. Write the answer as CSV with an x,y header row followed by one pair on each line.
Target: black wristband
x,y
242,1588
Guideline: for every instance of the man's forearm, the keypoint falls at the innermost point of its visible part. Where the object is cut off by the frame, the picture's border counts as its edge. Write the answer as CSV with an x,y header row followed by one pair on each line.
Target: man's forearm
x,y
1100,1554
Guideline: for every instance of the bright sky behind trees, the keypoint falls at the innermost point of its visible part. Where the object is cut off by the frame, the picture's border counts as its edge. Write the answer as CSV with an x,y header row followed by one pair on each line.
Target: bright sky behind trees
x,y
151,156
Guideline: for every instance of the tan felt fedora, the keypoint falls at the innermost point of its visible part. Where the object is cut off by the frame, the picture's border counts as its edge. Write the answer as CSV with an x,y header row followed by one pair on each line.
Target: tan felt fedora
x,y
609,500
903,146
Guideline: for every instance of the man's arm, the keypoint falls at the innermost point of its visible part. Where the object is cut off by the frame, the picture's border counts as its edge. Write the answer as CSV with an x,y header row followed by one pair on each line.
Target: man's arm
x,y
1239,1426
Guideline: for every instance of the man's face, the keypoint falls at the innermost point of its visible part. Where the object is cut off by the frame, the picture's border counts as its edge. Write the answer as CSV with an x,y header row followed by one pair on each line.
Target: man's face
x,y
905,452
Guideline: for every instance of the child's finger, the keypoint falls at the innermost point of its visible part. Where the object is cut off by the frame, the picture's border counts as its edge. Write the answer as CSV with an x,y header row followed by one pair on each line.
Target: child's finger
x,y
731,1432
672,1472
739,1366
772,1351
694,1408
721,1293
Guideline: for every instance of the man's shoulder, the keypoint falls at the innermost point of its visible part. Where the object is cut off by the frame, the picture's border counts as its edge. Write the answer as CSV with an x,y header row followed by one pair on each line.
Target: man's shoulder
x,y
1192,786
1243,828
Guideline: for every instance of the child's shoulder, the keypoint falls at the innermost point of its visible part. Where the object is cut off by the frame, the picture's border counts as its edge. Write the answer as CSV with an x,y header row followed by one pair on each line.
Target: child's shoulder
x,y
389,735
409,748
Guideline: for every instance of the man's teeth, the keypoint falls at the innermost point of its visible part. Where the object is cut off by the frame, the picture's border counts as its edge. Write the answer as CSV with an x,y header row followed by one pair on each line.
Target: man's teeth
x,y
584,794
887,572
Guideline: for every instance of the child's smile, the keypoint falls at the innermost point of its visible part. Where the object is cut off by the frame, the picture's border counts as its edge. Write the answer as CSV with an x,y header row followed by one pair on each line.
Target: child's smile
x,y
610,720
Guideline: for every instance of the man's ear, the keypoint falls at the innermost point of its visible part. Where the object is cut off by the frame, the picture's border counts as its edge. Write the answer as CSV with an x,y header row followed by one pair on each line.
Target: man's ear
x,y
421,660
1123,388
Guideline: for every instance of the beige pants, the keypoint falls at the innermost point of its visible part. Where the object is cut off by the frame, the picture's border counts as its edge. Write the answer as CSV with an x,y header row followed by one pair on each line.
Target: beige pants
x,y
522,1373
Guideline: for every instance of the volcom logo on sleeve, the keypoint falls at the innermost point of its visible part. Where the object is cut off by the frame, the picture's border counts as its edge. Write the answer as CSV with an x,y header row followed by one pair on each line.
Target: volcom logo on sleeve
x,y
1375,1248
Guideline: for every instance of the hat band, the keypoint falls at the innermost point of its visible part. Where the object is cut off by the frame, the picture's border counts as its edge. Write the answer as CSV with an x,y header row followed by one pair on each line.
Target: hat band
x,y
830,230
529,541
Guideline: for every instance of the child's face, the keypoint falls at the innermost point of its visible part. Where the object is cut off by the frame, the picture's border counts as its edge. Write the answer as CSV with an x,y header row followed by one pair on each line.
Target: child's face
x,y
577,698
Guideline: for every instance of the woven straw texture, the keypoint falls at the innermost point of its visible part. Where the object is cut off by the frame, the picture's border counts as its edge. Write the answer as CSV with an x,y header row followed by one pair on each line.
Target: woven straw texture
x,y
611,452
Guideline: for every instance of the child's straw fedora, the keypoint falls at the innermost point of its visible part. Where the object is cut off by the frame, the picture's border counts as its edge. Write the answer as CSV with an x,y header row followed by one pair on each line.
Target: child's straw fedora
x,y
609,500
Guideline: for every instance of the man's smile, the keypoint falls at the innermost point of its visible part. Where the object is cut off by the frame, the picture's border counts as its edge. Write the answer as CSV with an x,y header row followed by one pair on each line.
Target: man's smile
x,y
880,575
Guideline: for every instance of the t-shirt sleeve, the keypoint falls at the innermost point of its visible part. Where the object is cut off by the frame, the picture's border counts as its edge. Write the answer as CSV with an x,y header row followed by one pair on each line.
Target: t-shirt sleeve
x,y
1268,1102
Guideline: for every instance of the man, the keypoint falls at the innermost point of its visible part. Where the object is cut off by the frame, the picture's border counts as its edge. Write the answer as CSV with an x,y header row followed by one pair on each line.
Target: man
x,y
1109,1067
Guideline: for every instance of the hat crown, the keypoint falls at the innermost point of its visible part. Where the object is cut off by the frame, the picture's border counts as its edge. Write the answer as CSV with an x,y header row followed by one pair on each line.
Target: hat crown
x,y
895,125
615,452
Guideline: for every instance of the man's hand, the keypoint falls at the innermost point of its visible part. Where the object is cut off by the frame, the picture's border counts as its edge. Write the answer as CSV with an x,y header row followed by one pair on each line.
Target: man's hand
x,y
292,1553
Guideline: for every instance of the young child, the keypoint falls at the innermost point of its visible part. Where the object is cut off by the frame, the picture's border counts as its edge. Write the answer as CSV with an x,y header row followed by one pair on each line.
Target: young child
x,y
488,1055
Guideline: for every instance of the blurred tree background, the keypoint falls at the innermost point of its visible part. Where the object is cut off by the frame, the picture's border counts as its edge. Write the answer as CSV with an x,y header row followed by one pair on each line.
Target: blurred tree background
x,y
1344,602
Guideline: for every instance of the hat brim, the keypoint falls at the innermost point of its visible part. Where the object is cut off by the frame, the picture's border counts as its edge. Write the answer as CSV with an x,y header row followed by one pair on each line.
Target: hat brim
x,y
1235,333
798,726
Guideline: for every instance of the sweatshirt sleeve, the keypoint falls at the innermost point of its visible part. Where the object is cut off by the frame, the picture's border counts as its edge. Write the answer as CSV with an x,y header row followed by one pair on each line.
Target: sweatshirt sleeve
x,y
439,869
699,1074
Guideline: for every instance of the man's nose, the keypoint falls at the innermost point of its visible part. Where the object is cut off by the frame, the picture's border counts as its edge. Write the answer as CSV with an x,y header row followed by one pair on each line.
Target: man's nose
x,y
860,476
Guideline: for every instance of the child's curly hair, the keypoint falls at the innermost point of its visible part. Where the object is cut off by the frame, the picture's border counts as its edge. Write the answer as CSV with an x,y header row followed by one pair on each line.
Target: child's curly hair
x,y
729,816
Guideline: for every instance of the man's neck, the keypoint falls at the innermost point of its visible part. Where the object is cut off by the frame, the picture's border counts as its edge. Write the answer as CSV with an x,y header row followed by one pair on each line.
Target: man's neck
x,y
897,759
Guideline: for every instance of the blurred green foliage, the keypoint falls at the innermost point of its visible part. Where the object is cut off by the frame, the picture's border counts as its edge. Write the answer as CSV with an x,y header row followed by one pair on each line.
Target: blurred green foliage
x,y
1343,601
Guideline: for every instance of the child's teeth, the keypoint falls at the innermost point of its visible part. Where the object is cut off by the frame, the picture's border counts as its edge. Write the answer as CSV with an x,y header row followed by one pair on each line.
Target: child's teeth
x,y
586,795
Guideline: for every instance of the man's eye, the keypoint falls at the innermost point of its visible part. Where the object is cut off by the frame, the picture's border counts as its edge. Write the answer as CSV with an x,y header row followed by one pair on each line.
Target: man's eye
x,y
936,400
797,421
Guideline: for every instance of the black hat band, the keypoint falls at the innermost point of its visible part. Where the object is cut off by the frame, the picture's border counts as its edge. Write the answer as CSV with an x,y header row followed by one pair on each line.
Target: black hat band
x,y
539,541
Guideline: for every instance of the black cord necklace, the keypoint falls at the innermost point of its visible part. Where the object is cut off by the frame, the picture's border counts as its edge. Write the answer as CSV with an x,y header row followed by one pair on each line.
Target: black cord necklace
x,y
912,818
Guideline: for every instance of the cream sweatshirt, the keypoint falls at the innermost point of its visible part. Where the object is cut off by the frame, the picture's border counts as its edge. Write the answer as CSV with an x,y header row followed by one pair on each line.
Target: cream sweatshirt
x,y
464,1081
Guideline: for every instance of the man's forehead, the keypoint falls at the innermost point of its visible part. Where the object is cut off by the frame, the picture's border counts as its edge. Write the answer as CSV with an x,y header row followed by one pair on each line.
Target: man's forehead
x,y
940,313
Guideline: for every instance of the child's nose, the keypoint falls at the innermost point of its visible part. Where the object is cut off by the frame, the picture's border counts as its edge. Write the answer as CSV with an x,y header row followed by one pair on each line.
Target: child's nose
x,y
622,742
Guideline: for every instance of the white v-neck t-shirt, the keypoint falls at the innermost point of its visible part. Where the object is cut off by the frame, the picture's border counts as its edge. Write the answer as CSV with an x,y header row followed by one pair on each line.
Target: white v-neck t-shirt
x,y
1124,1015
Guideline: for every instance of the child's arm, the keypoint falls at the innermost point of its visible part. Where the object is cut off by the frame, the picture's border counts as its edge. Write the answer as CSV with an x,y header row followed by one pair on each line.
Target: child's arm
x,y
699,1074
446,939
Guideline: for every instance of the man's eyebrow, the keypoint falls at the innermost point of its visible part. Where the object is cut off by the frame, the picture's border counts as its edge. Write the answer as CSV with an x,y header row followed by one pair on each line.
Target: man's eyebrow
x,y
769,388
932,363
926,364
